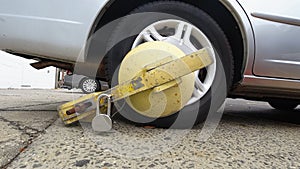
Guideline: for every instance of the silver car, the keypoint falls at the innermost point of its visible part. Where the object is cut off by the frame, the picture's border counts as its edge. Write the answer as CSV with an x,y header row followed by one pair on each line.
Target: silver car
x,y
256,43
86,84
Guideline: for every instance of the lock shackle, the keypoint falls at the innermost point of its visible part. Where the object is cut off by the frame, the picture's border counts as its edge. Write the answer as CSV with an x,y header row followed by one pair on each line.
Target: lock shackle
x,y
108,97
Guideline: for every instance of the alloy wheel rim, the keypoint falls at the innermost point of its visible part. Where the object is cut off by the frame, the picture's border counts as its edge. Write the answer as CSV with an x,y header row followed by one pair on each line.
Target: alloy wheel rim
x,y
89,85
189,39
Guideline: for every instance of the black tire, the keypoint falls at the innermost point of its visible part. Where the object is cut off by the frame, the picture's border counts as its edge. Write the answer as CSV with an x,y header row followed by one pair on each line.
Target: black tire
x,y
120,45
283,104
85,90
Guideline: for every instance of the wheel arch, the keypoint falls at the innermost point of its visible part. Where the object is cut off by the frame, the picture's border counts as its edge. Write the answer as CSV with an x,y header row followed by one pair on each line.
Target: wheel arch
x,y
222,12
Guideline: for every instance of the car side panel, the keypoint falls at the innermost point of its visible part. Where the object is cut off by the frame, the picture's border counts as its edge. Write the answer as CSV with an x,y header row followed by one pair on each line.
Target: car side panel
x,y
73,80
56,29
276,26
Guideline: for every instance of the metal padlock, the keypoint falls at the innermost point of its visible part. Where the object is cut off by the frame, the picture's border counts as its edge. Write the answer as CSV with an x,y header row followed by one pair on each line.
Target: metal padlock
x,y
102,122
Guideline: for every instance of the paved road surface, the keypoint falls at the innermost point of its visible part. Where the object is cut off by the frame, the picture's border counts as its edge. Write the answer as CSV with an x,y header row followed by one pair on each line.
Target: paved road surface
x,y
250,135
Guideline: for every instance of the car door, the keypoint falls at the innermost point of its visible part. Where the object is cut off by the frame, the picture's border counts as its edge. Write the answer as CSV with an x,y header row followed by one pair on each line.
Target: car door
x,y
54,29
276,27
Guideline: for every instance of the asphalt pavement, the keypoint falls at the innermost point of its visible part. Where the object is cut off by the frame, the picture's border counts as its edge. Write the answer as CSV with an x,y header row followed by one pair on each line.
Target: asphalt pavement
x,y
249,135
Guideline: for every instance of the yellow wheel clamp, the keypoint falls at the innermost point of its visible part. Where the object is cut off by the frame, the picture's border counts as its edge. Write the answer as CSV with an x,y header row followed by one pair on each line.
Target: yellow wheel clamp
x,y
158,76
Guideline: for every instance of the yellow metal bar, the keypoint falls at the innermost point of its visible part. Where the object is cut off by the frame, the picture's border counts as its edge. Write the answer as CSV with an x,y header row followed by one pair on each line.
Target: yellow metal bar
x,y
160,77
161,74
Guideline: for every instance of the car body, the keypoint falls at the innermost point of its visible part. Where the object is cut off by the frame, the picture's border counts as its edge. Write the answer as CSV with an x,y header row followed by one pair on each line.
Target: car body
x,y
264,37
77,81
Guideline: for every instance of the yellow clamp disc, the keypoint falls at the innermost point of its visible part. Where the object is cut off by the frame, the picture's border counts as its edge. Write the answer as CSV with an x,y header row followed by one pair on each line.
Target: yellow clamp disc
x,y
160,101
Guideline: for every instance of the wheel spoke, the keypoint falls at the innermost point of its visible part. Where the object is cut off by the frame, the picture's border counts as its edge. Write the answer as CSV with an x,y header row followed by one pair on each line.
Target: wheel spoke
x,y
152,34
179,30
195,96
199,85
147,37
197,93
183,32
187,33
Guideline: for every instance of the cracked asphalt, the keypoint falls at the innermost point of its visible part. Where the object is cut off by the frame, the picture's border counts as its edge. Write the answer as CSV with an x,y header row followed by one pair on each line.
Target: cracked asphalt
x,y
25,115
249,135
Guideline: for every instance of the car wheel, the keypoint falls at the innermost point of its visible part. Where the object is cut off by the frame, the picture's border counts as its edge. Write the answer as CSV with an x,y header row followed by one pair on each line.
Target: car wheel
x,y
283,104
88,85
188,28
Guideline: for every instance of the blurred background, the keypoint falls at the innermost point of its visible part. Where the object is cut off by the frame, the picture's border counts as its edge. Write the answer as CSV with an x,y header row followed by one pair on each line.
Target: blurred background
x,y
15,72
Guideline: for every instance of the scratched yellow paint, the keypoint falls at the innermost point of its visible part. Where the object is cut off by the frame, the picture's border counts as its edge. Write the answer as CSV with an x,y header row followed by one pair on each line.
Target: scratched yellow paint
x,y
156,79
